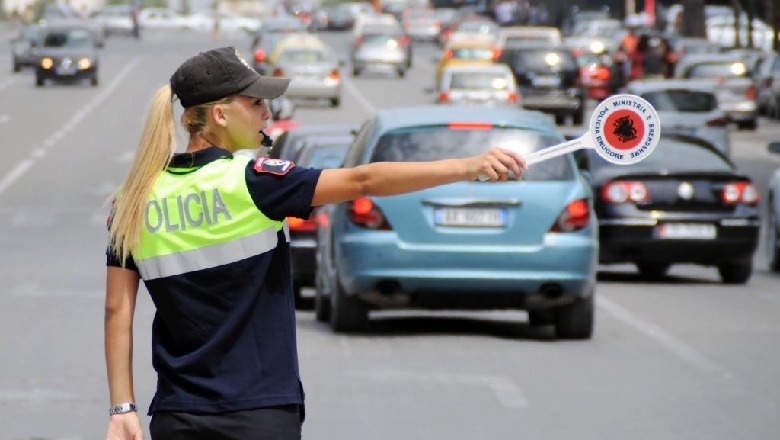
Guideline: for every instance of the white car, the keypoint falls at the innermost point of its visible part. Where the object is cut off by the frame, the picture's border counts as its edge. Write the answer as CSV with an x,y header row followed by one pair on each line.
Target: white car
x,y
478,84
686,107
115,19
228,22
162,18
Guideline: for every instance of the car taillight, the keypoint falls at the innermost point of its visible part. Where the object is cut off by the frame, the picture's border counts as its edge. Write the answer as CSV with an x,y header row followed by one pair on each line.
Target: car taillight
x,y
404,41
444,96
512,97
259,55
299,224
446,35
740,192
574,217
751,92
365,213
718,122
470,126
602,73
620,191
448,54
496,53
334,75
278,72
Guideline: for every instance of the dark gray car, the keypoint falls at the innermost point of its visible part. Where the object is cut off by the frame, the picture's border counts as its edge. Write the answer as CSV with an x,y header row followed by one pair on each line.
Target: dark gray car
x,y
22,46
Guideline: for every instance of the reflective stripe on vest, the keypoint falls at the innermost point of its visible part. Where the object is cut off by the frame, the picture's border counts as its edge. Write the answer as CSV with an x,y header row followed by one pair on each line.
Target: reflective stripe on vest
x,y
202,218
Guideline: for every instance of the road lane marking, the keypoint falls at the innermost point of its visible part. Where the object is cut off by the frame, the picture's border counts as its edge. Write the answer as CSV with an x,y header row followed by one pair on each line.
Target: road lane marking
x,y
362,100
667,340
36,154
503,388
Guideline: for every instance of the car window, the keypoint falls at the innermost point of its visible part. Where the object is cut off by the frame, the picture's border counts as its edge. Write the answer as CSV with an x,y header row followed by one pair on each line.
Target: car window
x,y
681,101
304,56
456,141
479,80
472,53
29,34
380,39
545,60
672,155
516,40
73,38
324,156
718,69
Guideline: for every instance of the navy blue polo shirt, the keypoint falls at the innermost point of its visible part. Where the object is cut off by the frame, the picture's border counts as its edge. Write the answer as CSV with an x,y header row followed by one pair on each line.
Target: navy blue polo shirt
x,y
223,338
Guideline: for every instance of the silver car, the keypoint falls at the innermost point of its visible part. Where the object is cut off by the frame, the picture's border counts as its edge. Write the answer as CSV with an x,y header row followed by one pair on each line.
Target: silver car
x,y
730,77
478,84
686,107
381,51
313,70
23,54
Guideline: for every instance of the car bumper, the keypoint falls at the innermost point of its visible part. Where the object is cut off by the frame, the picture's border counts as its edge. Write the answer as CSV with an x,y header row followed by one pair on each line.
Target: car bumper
x,y
624,242
312,89
566,260
740,110
77,75
552,101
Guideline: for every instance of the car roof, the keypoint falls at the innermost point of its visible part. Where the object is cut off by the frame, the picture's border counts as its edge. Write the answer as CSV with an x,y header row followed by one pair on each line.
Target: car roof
x,y
645,86
398,118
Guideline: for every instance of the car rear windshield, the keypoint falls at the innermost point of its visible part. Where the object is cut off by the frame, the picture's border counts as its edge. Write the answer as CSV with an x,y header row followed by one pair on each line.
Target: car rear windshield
x,y
325,156
304,56
379,39
681,101
72,38
518,40
443,142
480,80
542,60
719,69
670,155
472,53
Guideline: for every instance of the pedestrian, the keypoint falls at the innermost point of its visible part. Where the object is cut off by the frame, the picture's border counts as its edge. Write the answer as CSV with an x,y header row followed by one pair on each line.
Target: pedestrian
x,y
205,230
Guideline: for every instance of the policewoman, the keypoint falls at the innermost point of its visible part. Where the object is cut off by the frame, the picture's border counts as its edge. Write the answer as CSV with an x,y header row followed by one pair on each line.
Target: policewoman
x,y
205,230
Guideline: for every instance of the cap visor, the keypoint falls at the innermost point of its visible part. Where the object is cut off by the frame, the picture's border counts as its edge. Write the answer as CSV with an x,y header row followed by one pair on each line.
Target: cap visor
x,y
266,87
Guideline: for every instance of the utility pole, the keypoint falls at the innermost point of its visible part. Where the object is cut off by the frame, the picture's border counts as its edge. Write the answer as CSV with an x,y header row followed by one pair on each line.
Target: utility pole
x,y
693,22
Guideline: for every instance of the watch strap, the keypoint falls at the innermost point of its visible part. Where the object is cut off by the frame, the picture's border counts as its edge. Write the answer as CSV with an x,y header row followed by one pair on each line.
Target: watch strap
x,y
122,408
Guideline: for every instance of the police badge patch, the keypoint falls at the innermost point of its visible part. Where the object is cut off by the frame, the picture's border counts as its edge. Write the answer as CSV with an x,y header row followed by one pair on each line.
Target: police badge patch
x,y
278,167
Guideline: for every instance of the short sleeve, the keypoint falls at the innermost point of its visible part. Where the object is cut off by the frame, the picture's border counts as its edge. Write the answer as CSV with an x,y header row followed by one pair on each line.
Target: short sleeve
x,y
114,260
280,196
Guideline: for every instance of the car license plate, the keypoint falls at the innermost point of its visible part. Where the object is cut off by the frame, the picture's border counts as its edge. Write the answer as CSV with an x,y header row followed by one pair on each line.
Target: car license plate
x,y
546,81
687,231
66,71
473,217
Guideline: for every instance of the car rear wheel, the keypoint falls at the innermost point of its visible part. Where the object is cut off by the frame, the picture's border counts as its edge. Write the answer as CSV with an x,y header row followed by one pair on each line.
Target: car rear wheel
x,y
347,313
751,124
335,102
652,271
575,321
578,117
560,119
39,81
94,80
355,71
538,318
738,272
772,246
401,72
17,67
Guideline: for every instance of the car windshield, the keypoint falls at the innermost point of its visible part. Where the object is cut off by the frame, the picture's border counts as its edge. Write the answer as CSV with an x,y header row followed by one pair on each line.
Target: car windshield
x,y
472,53
480,80
477,26
71,38
725,69
543,60
519,40
380,40
670,155
681,101
304,56
463,140
325,156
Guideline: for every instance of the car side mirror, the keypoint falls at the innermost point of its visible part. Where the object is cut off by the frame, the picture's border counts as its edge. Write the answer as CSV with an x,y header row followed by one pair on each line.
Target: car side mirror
x,y
774,147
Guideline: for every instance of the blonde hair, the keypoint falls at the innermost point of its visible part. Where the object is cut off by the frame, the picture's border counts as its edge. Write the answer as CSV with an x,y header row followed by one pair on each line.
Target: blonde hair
x,y
155,151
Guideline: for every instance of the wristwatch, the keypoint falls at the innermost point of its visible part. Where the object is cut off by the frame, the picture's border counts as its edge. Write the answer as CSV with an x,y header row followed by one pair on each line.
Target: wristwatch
x,y
121,408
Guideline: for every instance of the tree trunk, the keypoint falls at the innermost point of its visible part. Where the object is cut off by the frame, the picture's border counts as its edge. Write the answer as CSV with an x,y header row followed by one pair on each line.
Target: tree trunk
x,y
771,13
693,23
749,6
735,6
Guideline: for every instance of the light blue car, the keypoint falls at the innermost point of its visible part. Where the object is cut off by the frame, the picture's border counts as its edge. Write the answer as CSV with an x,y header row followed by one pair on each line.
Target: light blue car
x,y
529,244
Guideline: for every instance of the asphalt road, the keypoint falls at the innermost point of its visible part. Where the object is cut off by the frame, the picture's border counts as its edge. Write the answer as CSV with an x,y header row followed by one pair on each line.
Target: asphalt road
x,y
686,358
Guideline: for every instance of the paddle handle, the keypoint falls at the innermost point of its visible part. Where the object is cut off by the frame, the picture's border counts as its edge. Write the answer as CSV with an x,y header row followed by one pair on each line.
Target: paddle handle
x,y
549,152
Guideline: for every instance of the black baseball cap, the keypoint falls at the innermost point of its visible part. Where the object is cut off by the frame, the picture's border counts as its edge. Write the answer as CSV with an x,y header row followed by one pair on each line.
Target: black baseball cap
x,y
219,73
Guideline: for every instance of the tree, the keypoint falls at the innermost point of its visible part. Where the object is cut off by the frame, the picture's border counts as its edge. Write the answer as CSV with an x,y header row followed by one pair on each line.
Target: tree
x,y
693,23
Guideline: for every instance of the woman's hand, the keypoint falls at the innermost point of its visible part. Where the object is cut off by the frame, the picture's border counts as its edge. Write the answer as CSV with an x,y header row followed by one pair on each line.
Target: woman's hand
x,y
495,165
125,426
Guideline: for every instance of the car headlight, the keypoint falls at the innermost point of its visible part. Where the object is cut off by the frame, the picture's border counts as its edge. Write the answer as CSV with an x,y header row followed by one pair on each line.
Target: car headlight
x,y
84,63
47,63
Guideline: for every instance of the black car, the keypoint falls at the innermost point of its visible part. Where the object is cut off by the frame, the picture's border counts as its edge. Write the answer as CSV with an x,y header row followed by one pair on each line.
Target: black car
x,y
549,80
317,152
66,54
685,203
23,55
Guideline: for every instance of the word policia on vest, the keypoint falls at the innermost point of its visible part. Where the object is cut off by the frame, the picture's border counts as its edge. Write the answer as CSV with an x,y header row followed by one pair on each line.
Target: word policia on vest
x,y
189,212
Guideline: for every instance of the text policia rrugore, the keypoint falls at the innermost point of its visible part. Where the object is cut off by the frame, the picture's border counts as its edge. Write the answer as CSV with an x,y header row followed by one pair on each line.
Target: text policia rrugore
x,y
638,108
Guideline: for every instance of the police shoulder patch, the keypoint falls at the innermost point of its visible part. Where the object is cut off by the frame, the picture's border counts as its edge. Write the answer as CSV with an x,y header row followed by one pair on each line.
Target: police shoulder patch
x,y
278,167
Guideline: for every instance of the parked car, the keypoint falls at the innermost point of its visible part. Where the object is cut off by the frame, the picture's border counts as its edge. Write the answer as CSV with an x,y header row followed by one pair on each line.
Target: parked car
x,y
23,47
529,244
478,84
685,203
114,20
686,107
317,152
311,65
549,81
732,81
67,54
225,21
773,215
